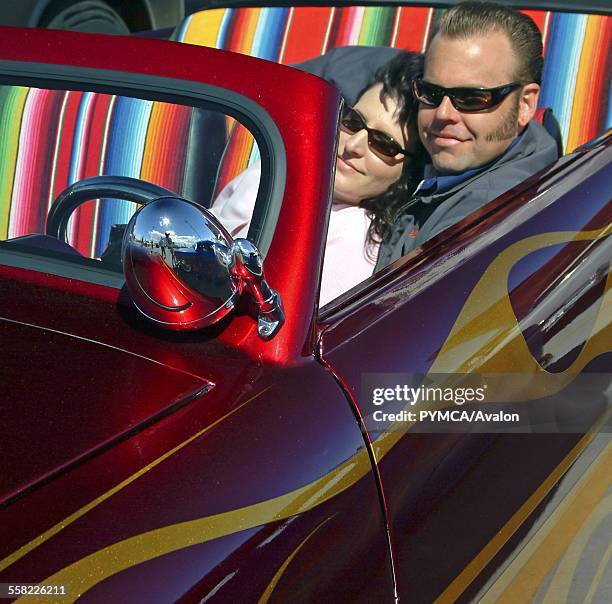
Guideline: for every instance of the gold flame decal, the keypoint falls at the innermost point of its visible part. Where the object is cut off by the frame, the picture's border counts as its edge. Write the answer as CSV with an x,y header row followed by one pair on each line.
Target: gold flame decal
x,y
488,304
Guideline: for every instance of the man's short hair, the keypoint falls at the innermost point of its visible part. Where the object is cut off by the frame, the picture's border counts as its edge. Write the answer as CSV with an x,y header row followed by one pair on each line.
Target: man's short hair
x,y
469,19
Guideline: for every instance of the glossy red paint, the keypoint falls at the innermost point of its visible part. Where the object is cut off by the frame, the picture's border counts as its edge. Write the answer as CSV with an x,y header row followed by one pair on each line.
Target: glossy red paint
x,y
231,465
313,134
94,417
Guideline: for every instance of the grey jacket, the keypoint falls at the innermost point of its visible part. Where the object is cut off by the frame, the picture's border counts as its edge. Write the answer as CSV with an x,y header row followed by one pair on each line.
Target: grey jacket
x,y
535,150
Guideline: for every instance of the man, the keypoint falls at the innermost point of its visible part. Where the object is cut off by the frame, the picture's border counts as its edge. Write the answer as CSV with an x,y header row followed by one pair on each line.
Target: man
x,y
477,97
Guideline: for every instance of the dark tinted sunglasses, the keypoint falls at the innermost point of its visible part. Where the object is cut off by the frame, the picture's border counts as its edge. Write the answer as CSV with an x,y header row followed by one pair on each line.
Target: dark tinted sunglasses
x,y
468,100
381,144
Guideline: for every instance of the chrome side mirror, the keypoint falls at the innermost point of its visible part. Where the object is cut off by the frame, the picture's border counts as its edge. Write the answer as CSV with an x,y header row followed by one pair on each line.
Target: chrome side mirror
x,y
184,271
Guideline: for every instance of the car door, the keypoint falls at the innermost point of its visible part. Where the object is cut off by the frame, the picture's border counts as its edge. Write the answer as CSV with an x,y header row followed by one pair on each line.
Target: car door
x,y
141,464
514,298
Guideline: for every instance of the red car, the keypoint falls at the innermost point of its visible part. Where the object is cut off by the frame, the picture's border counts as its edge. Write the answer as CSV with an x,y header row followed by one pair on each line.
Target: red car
x,y
206,433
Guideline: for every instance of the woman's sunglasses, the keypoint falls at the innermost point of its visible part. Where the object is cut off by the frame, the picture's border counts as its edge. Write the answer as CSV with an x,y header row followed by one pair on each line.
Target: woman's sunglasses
x,y
468,100
381,144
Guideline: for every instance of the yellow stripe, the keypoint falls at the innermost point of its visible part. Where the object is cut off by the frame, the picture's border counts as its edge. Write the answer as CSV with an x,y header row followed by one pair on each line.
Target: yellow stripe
x,y
203,29
559,588
523,578
28,547
279,573
157,129
87,572
486,337
83,574
471,347
598,575
471,571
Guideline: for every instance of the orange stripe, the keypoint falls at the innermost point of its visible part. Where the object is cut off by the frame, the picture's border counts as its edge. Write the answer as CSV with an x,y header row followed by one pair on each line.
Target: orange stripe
x,y
169,125
243,27
591,83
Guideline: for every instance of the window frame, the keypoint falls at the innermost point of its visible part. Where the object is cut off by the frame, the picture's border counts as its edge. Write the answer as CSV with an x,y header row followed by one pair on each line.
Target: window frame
x,y
165,89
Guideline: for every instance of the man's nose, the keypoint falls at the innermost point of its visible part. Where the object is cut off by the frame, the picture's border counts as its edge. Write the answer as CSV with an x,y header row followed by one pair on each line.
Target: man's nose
x,y
446,111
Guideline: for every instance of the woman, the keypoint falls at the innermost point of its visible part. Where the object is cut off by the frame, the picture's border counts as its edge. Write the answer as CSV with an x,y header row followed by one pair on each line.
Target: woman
x,y
377,169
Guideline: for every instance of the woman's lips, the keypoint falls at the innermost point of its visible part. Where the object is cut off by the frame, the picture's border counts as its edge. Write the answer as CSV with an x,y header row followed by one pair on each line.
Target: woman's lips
x,y
344,164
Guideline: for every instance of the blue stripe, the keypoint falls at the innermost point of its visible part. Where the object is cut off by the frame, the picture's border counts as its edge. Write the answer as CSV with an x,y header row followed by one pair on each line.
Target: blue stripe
x,y
124,153
561,64
269,33
77,137
608,123
224,28
181,35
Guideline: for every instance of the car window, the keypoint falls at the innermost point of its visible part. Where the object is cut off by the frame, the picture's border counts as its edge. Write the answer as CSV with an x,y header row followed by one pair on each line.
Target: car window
x,y
52,139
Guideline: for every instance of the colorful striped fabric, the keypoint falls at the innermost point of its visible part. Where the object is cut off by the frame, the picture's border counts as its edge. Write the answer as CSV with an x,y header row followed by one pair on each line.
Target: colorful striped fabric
x,y
576,82
57,137
61,137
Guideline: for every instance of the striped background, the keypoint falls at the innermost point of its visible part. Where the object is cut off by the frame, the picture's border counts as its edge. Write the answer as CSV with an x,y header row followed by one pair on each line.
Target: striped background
x,y
576,80
60,137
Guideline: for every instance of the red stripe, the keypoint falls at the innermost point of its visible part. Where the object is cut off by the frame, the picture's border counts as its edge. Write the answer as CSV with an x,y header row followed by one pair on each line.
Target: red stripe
x,y
169,167
64,152
93,139
593,114
236,156
538,16
341,28
238,28
313,20
94,136
411,30
38,160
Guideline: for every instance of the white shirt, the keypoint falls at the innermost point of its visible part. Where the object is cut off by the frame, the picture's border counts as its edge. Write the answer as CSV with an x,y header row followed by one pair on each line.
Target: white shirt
x,y
346,262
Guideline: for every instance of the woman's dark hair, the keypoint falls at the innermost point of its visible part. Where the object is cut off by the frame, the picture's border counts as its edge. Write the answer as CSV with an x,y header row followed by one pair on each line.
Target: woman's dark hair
x,y
395,77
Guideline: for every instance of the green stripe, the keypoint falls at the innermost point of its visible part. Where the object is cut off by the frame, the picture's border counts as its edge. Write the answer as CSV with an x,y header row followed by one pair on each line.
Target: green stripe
x,y
377,26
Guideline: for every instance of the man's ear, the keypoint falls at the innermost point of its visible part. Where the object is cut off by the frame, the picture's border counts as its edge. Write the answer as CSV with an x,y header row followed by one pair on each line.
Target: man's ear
x,y
528,103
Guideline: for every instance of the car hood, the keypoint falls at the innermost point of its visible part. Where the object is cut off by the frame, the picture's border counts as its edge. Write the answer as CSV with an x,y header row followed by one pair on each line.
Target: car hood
x,y
65,397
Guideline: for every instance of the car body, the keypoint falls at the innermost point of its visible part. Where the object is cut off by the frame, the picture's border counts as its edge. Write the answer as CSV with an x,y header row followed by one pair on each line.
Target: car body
x,y
144,464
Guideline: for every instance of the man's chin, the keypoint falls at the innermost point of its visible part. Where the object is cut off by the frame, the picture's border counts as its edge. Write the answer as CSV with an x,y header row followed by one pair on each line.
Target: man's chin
x,y
447,163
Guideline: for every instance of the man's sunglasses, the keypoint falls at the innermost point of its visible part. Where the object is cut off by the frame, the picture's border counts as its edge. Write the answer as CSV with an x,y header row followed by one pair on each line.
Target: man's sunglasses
x,y
468,100
381,144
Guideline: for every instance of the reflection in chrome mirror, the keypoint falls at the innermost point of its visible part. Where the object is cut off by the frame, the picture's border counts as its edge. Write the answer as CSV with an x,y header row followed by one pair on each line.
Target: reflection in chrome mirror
x,y
184,271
